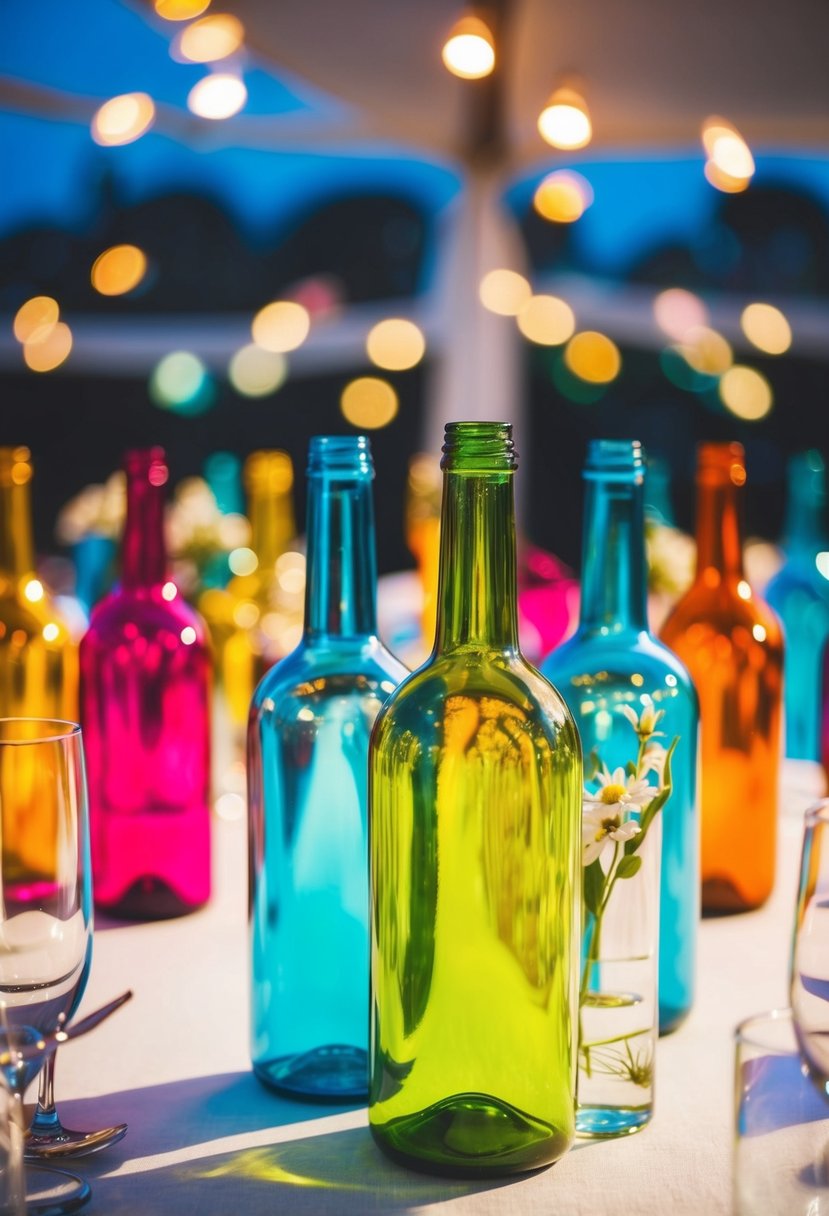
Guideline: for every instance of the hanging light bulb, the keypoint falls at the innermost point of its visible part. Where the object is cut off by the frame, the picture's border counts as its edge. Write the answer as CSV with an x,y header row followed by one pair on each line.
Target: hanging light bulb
x,y
469,51
565,120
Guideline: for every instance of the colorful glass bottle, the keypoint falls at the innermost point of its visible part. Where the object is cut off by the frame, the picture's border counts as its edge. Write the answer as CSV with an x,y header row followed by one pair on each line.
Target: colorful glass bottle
x,y
475,843
145,710
799,594
38,659
308,736
731,642
614,661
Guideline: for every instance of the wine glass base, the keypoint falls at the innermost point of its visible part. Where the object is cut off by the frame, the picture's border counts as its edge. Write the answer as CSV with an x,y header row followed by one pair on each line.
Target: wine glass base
x,y
54,1192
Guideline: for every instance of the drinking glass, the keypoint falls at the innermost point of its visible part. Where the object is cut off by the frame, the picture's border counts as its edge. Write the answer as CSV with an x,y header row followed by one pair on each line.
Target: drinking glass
x,y
810,952
781,1146
45,900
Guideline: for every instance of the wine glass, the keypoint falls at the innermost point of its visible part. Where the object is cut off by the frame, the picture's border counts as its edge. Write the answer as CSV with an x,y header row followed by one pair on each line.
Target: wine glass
x,y
810,951
45,905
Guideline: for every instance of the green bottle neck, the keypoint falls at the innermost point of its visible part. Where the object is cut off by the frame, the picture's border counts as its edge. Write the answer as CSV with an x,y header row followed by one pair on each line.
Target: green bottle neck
x,y
16,546
477,589
614,570
341,582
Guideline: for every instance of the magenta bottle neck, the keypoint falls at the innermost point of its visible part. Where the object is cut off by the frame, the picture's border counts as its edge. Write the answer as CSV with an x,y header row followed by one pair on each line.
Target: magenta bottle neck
x,y
144,553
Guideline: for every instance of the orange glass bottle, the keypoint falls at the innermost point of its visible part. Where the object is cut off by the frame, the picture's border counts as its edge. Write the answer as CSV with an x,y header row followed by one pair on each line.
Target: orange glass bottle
x,y
732,644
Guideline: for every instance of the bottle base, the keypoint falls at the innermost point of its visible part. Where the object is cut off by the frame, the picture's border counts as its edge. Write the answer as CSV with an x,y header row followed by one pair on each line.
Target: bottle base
x,y
720,897
609,1122
336,1073
149,898
471,1136
671,1019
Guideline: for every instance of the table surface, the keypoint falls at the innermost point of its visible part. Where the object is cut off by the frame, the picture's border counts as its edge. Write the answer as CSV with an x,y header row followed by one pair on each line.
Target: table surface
x,y
204,1137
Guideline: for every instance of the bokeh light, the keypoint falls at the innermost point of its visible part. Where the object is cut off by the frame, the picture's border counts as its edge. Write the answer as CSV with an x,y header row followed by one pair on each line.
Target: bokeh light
x,y
469,51
180,10
746,392
565,122
34,319
504,292
546,320
678,370
188,635
180,382
123,119
51,631
118,270
593,357
395,344
213,37
563,196
707,351
572,387
255,372
46,351
281,326
369,402
677,311
242,561
220,95
766,328
730,165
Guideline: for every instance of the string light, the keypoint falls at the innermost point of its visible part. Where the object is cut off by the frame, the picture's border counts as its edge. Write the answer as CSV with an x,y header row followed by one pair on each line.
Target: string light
x,y
211,38
255,372
546,320
34,320
563,196
369,402
180,10
45,352
123,119
730,165
565,120
281,326
180,382
118,270
766,328
593,357
677,311
707,351
504,292
469,51
395,344
746,392
217,96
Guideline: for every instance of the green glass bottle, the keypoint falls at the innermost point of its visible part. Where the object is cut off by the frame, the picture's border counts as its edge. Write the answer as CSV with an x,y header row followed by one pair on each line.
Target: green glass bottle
x,y
475,842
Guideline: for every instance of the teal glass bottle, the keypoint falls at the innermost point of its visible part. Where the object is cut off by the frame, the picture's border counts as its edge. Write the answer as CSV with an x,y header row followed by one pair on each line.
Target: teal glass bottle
x,y
799,594
308,736
475,843
613,661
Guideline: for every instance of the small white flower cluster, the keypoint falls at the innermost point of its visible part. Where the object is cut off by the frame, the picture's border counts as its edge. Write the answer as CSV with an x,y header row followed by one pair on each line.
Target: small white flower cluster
x,y
98,510
606,811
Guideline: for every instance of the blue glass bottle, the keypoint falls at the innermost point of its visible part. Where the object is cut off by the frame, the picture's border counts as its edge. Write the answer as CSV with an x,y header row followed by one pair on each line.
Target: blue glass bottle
x,y
308,735
799,594
614,661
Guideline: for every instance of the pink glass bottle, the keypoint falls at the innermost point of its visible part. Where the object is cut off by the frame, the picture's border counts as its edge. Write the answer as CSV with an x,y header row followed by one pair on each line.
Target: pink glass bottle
x,y
145,703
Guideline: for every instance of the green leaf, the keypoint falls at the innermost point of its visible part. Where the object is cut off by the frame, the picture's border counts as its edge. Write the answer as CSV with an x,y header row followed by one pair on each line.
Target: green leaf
x,y
628,866
592,764
655,805
630,769
593,886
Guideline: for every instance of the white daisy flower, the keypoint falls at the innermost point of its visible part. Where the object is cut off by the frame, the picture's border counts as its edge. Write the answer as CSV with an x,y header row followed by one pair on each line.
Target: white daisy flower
x,y
617,792
601,825
645,723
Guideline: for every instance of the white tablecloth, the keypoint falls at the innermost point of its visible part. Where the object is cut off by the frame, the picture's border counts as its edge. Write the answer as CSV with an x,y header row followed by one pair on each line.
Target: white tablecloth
x,y
205,1138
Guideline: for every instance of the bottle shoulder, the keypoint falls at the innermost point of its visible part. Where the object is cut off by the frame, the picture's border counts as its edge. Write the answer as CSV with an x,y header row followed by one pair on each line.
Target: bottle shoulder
x,y
366,666
126,615
498,682
583,657
719,611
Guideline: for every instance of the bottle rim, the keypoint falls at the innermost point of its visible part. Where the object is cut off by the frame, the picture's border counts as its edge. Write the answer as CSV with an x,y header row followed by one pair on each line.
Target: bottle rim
x,y
340,455
15,465
616,459
721,463
479,447
147,464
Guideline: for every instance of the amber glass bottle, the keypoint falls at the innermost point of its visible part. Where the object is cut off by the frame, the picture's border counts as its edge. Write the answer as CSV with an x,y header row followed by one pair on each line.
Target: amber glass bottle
x,y
732,644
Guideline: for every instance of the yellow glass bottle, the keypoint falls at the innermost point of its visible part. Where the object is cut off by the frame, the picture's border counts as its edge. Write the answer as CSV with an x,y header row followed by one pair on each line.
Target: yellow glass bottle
x,y
38,659
732,645
475,855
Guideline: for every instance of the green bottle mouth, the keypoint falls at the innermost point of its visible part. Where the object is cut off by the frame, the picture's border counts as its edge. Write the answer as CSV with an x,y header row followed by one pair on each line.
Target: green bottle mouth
x,y
479,447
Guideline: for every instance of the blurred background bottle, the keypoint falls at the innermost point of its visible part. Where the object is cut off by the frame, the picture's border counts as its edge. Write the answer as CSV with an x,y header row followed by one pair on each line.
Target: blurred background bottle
x,y
308,738
799,594
732,644
145,710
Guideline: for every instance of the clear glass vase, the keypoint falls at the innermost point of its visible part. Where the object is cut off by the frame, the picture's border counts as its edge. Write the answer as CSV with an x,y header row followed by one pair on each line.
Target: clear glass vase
x,y
618,1005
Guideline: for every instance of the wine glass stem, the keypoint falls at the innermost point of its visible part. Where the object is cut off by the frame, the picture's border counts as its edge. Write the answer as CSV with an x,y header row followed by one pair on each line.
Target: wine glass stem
x,y
15,1182
46,1116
